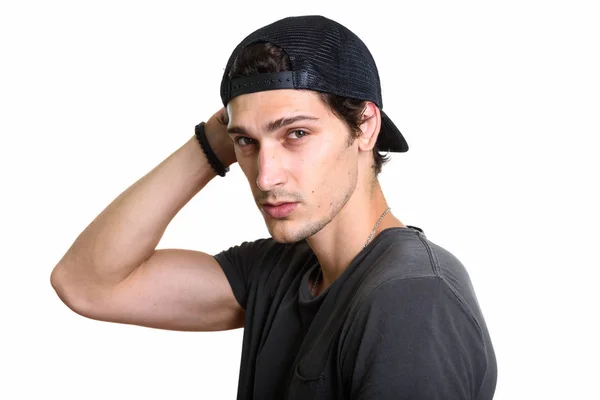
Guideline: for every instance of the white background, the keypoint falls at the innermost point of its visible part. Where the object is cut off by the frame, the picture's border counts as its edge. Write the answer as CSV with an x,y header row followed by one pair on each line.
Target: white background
x,y
498,101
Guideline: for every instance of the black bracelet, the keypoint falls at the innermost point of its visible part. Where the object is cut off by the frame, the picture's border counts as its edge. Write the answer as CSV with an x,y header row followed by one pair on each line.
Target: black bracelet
x,y
217,165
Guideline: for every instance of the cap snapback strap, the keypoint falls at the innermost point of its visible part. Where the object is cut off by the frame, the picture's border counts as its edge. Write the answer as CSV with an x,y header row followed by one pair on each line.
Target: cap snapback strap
x,y
261,82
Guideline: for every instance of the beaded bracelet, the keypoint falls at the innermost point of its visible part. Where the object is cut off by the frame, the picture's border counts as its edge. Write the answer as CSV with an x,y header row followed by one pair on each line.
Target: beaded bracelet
x,y
216,165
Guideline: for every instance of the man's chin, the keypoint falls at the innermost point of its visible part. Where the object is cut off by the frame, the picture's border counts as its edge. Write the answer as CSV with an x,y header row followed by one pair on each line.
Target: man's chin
x,y
282,236
282,231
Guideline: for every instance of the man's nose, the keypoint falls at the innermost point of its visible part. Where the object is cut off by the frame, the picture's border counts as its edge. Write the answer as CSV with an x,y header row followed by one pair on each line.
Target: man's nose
x,y
270,168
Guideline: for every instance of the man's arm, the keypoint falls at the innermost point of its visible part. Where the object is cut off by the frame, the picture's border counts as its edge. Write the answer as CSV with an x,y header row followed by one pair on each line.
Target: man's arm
x,y
412,339
113,272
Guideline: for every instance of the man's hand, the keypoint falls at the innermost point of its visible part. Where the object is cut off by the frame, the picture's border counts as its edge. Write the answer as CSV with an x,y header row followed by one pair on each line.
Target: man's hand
x,y
219,140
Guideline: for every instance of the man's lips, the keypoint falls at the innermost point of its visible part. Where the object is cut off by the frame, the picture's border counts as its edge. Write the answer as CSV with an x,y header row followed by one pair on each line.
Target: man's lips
x,y
277,204
278,210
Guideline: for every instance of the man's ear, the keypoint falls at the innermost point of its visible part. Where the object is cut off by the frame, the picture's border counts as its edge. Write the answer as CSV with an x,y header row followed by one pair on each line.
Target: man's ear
x,y
223,116
370,126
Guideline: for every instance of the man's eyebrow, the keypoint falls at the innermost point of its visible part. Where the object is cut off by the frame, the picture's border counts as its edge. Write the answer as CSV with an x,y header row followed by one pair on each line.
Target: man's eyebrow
x,y
273,125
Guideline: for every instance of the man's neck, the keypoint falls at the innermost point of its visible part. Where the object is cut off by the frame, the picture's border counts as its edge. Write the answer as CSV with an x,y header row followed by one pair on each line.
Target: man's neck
x,y
338,243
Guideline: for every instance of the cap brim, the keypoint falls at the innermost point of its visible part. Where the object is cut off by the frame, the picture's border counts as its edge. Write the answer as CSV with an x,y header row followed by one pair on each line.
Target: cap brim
x,y
390,138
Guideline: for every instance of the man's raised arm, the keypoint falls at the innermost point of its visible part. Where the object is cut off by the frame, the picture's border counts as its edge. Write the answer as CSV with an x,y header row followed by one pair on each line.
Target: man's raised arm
x,y
113,272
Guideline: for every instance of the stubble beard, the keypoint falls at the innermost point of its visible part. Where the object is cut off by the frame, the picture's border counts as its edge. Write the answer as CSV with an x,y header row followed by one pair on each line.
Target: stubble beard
x,y
312,226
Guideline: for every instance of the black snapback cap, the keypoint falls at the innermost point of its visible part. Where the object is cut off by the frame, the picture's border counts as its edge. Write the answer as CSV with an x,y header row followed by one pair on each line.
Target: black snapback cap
x,y
325,57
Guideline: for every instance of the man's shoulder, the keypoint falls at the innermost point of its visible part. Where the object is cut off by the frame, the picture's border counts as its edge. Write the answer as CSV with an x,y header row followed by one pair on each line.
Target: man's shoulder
x,y
407,273
407,253
405,261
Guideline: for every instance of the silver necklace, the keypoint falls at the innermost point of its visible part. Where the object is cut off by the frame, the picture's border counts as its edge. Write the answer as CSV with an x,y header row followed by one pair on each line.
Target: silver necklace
x,y
316,281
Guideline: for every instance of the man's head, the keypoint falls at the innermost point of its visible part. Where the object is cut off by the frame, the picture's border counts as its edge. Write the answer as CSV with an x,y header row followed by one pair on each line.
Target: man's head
x,y
298,135
264,57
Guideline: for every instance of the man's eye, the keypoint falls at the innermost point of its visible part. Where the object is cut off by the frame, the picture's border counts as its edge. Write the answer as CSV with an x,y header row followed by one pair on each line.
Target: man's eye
x,y
301,132
239,138
243,141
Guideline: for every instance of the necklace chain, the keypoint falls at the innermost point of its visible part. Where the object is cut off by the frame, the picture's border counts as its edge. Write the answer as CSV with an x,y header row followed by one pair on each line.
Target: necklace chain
x,y
316,281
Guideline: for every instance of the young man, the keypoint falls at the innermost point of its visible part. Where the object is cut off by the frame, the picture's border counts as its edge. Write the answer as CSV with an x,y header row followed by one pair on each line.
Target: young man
x,y
344,301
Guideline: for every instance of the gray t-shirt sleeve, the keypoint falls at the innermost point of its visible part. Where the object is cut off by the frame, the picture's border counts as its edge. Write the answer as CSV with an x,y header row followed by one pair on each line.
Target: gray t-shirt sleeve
x,y
412,339
238,263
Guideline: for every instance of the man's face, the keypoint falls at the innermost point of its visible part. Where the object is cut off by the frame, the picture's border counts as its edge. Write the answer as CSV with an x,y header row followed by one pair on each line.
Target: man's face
x,y
292,148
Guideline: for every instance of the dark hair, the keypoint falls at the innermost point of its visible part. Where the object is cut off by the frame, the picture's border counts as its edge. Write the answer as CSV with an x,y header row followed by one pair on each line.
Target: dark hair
x,y
266,57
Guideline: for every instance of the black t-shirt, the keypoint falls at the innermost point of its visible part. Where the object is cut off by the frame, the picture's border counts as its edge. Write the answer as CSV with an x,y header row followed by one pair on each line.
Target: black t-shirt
x,y
401,322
